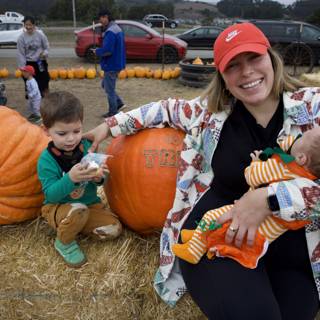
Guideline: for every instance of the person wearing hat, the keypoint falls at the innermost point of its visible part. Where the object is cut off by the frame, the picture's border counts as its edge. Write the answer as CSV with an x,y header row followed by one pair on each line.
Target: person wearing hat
x,y
33,93
112,56
250,104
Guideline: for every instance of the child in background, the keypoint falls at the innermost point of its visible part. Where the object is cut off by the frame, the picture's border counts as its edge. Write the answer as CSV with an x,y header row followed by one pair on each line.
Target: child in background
x,y
298,157
3,98
71,203
33,93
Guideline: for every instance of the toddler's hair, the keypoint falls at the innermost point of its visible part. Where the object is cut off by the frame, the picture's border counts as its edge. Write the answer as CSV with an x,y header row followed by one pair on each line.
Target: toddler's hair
x,y
60,106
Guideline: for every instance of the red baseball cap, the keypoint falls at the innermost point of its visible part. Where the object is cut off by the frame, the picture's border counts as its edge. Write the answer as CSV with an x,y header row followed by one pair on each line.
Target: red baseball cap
x,y
28,69
238,38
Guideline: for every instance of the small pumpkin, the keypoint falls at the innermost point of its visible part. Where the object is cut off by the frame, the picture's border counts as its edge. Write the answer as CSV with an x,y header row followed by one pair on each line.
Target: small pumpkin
x,y
4,73
21,196
91,73
130,73
79,73
157,74
101,73
166,74
150,158
18,73
149,73
197,60
63,73
70,74
140,72
122,74
176,72
53,73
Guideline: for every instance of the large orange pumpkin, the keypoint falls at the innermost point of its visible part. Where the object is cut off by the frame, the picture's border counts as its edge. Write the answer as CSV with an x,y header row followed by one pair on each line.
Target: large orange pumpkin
x,y
20,190
142,180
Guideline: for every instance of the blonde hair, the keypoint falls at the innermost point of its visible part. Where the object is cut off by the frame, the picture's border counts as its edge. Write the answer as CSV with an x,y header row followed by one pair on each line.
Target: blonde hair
x,y
219,98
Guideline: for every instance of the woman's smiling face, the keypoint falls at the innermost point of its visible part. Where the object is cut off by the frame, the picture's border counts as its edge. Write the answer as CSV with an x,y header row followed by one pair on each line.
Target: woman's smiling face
x,y
29,26
249,77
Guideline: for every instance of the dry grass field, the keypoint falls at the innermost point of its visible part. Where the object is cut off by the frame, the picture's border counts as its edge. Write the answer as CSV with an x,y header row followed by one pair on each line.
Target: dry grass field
x,y
116,283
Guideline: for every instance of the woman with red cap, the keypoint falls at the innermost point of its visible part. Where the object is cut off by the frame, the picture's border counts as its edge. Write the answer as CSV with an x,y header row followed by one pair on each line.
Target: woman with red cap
x,y
250,104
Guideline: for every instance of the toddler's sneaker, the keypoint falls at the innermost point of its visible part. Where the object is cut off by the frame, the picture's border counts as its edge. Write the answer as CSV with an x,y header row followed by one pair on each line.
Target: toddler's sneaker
x,y
34,118
71,253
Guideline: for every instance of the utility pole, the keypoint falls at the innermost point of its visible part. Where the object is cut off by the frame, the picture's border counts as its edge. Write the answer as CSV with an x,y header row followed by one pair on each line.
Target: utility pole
x,y
74,13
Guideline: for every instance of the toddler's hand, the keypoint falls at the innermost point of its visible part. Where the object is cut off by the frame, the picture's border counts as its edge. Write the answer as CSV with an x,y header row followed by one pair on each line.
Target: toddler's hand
x,y
255,155
101,173
75,173
80,173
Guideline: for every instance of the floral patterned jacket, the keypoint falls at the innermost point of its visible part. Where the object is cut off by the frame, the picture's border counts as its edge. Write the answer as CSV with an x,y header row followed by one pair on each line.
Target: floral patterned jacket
x,y
299,199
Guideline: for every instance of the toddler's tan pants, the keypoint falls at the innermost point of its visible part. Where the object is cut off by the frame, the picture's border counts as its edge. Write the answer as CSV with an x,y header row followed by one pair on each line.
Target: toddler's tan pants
x,y
69,219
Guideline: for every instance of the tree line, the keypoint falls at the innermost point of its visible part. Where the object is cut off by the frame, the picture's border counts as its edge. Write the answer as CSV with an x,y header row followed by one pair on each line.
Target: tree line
x,y
307,10
86,10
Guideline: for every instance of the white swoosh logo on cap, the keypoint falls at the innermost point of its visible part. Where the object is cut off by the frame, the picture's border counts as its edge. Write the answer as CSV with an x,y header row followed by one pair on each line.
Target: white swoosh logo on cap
x,y
231,35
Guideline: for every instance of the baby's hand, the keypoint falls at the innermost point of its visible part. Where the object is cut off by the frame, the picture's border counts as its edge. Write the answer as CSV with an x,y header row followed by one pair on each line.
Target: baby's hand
x,y
255,155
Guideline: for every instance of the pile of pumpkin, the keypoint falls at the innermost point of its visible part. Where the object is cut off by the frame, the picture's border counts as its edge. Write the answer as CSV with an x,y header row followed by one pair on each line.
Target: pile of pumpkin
x,y
91,73
150,158
146,72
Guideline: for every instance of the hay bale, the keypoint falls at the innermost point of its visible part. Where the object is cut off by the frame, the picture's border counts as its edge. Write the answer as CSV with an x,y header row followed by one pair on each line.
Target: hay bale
x,y
311,79
116,283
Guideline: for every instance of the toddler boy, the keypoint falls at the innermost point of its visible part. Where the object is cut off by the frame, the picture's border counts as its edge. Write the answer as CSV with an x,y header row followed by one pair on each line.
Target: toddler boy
x,y
71,203
33,93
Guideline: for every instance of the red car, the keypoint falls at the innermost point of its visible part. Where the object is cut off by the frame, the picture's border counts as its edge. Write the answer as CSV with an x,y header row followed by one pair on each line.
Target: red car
x,y
142,42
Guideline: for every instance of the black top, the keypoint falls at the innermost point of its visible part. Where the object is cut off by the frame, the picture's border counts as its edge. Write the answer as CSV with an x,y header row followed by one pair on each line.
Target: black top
x,y
240,136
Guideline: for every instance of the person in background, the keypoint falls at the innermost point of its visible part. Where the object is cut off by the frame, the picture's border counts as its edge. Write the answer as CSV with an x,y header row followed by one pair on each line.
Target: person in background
x,y
33,93
33,49
71,204
251,104
3,96
112,56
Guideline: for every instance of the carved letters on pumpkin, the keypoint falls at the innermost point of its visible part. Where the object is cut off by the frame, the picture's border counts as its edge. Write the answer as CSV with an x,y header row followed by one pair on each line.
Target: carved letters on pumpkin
x,y
163,157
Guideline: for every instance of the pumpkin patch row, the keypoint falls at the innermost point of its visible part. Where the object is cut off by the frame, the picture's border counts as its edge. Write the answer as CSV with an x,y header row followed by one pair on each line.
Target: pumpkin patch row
x,y
91,73
145,72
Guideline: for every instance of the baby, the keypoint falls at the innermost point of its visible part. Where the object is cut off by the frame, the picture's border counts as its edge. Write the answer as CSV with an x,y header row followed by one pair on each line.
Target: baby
x,y
298,157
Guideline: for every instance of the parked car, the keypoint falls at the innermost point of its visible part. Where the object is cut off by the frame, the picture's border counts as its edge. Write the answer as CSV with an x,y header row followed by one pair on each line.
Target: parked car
x,y
10,32
10,16
201,36
155,20
296,41
141,41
